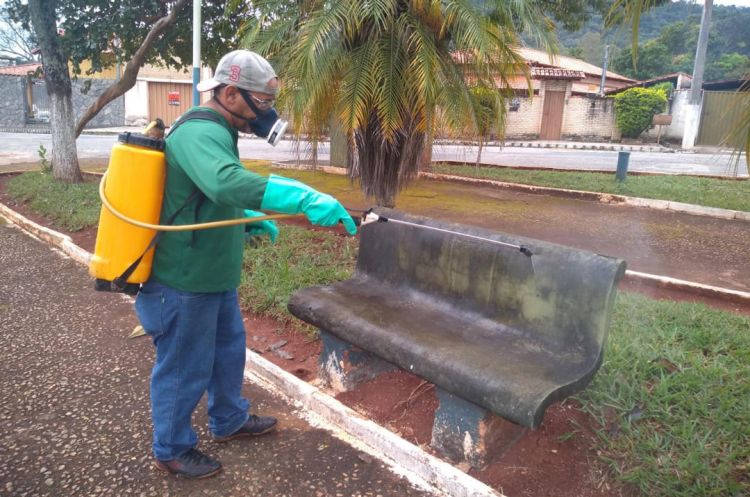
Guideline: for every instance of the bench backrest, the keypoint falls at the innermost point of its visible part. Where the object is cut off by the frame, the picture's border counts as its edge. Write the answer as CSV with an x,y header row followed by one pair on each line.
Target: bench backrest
x,y
561,296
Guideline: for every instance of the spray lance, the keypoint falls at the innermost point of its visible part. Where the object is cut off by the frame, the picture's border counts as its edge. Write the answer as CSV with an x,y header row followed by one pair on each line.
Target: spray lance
x,y
371,217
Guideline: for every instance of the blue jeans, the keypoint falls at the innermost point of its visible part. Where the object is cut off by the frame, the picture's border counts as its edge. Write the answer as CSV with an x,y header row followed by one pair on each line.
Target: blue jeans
x,y
200,345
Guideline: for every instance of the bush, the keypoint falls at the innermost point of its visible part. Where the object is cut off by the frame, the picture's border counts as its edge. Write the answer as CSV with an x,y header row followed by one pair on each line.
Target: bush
x,y
635,108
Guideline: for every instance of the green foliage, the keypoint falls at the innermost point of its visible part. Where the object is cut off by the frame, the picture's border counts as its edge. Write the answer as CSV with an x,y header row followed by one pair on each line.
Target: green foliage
x,y
711,192
44,164
665,88
673,398
105,32
635,108
70,206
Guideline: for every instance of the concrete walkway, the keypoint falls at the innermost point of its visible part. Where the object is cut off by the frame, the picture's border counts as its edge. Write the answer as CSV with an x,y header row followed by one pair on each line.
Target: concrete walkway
x,y
74,403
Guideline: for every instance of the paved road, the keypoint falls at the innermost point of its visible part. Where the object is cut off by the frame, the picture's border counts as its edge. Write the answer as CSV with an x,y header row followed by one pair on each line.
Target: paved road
x,y
74,403
22,147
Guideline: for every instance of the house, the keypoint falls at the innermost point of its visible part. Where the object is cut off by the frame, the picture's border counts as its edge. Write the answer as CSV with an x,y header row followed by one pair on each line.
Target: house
x,y
566,103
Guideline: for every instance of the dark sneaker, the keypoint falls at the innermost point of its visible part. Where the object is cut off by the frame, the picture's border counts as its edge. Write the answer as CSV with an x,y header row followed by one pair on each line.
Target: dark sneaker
x,y
254,426
193,464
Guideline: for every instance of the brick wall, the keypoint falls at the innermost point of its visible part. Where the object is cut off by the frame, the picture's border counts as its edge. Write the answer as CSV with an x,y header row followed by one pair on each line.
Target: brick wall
x,y
523,124
589,118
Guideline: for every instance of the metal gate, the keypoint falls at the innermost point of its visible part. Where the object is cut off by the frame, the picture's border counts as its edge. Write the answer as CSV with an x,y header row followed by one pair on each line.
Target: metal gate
x,y
720,115
37,101
554,104
168,100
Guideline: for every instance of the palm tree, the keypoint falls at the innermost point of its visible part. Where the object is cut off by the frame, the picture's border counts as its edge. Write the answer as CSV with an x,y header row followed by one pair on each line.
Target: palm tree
x,y
378,70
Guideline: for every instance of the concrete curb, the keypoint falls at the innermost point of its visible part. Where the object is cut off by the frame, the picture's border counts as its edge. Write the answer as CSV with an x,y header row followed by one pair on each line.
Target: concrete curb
x,y
607,198
403,457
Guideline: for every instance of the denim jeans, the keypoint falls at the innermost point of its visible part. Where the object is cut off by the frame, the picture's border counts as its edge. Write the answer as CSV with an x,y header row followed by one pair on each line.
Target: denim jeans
x,y
200,346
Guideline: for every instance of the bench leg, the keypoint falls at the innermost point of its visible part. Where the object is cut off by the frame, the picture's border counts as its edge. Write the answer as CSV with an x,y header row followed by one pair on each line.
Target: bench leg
x,y
343,366
465,432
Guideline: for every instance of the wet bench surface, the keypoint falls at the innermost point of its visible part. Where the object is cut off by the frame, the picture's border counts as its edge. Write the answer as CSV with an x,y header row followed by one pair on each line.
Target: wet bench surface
x,y
486,323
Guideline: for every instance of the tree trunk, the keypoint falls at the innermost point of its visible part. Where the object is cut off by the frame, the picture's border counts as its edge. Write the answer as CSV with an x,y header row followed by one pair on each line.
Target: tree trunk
x,y
57,79
479,153
64,153
128,79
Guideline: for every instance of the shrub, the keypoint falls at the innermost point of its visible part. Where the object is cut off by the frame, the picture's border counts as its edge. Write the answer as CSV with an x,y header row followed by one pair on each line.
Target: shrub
x,y
635,108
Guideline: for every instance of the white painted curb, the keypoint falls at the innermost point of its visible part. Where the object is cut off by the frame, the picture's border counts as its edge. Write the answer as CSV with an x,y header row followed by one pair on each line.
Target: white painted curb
x,y
401,455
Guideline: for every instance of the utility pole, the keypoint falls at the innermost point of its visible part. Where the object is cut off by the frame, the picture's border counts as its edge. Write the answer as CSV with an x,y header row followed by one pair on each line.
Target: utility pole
x,y
700,54
196,51
693,109
604,70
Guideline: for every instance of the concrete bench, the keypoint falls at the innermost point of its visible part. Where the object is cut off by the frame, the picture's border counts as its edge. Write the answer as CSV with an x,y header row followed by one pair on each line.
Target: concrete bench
x,y
495,331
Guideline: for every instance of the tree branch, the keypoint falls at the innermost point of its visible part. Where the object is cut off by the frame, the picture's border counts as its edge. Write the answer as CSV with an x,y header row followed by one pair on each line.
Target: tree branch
x,y
128,79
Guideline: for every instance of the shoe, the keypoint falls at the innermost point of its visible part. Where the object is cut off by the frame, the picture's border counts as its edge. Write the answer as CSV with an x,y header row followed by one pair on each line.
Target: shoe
x,y
254,426
193,464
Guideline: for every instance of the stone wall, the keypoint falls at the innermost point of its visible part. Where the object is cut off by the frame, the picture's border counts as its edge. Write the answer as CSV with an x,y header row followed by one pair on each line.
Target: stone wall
x,y
13,103
113,114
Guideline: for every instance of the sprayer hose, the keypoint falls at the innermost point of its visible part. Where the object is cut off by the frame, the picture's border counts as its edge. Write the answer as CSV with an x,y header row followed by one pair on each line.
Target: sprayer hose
x,y
184,227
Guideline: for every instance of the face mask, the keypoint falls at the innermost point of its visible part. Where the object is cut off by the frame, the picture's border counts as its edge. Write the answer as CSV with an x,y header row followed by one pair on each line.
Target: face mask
x,y
266,123
268,126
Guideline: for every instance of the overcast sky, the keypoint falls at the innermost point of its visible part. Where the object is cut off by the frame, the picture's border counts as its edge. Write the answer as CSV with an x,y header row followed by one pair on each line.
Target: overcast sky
x,y
739,3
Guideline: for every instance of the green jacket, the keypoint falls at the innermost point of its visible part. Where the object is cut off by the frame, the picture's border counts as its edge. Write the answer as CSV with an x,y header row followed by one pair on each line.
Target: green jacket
x,y
203,154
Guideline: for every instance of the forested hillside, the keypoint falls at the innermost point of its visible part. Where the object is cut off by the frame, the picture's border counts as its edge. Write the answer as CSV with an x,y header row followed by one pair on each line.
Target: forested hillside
x,y
667,41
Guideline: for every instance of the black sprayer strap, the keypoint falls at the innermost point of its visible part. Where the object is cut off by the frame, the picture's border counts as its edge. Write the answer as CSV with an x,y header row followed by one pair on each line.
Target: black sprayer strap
x,y
120,282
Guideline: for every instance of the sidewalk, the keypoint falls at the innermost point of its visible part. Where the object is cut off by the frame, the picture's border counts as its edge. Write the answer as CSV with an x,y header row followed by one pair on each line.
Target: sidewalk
x,y
75,403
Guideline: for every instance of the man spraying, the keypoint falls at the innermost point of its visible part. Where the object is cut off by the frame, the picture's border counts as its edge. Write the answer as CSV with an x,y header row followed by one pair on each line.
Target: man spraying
x,y
189,305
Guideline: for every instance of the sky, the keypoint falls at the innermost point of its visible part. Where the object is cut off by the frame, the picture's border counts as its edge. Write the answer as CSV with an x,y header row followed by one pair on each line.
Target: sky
x,y
738,3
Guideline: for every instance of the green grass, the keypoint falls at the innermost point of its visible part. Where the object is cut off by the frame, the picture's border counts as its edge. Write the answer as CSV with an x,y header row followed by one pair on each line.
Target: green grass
x,y
673,399
71,207
710,192
299,258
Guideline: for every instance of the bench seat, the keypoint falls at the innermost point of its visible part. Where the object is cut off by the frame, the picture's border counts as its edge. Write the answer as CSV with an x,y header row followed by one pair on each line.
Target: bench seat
x,y
484,322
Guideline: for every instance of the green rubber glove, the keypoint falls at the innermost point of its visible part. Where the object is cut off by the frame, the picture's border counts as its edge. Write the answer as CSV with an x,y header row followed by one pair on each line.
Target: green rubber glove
x,y
260,228
292,197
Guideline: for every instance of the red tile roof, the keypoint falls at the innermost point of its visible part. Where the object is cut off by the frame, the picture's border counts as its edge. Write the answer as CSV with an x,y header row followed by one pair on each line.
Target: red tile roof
x,y
20,70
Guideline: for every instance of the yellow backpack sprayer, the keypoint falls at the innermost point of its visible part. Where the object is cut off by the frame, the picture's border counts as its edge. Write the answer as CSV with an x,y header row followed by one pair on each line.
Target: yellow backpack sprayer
x,y
128,230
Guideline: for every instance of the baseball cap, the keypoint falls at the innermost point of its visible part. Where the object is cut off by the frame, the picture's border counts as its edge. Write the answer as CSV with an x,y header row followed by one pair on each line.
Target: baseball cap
x,y
243,69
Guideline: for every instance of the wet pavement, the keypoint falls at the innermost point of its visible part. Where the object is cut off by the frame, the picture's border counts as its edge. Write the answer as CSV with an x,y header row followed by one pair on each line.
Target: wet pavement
x,y
74,403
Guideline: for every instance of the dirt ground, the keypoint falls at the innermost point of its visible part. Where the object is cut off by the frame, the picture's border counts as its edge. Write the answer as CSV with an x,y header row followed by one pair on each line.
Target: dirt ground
x,y
557,459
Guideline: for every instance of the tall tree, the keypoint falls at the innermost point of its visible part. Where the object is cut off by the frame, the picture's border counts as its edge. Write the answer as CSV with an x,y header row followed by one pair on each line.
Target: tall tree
x,y
64,155
101,33
381,69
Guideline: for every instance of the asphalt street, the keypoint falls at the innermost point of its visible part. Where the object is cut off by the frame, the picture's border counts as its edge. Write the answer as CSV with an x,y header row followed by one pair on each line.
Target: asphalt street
x,y
23,147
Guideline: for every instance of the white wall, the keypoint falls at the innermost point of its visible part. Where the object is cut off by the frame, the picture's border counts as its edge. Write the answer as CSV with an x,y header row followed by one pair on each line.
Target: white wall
x,y
136,104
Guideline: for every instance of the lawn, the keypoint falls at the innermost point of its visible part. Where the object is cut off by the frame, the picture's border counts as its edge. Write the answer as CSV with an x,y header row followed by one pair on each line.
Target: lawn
x,y
710,192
